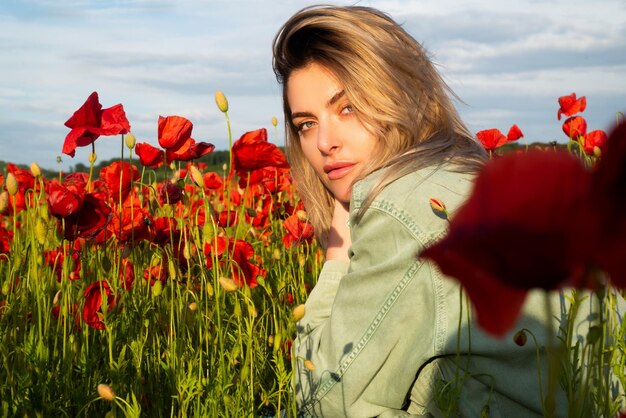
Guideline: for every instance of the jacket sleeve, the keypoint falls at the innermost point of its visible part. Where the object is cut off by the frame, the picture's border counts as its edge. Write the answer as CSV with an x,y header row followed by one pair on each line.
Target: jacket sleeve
x,y
367,343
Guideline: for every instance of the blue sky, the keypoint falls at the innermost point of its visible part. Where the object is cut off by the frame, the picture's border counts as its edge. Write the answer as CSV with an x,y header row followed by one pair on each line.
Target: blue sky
x,y
508,62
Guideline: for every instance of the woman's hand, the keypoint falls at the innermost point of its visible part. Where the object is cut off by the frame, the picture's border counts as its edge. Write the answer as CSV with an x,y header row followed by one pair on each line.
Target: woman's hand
x,y
339,235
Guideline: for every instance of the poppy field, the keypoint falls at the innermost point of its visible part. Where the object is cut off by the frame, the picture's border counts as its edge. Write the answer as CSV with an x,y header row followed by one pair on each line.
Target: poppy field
x,y
159,287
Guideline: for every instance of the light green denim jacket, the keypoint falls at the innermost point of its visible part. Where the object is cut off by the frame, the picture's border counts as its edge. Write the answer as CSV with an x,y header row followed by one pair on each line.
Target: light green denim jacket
x,y
381,331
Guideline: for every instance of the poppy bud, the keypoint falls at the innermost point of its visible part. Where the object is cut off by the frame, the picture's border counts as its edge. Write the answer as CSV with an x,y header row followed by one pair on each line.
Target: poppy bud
x,y
228,284
270,340
130,140
439,208
193,306
274,121
297,313
41,231
92,157
301,260
520,338
276,254
597,151
157,288
224,167
35,170
252,310
308,364
106,392
221,101
302,216
277,340
196,176
4,201
11,184
57,296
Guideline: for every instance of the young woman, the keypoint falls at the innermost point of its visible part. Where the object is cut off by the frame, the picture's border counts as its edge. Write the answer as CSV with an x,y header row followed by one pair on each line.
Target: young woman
x,y
372,135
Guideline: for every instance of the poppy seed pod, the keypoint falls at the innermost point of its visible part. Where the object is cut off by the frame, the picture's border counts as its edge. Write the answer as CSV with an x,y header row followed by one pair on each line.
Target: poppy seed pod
x,y
11,184
221,101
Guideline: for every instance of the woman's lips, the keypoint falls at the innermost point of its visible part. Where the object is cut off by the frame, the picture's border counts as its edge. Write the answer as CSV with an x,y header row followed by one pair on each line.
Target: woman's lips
x,y
338,170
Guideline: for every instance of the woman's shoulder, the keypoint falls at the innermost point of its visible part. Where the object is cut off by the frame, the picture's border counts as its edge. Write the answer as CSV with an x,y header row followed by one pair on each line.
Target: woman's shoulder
x,y
446,182
408,200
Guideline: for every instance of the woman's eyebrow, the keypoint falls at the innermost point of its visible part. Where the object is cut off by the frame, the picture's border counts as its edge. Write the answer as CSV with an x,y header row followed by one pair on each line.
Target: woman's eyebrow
x,y
334,99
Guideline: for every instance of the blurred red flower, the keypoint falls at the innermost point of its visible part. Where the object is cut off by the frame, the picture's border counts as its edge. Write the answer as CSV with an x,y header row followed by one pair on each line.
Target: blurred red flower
x,y
522,228
570,105
609,200
90,121
6,237
93,309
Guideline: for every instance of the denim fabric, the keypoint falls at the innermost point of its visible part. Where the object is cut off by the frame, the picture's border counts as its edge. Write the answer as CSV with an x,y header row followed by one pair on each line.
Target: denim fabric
x,y
387,333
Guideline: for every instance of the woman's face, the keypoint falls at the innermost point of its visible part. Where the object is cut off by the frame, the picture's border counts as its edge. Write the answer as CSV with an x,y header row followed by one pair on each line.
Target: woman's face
x,y
333,139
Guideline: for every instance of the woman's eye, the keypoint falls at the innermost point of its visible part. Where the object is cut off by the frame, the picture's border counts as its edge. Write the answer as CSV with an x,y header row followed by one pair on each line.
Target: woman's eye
x,y
347,109
304,126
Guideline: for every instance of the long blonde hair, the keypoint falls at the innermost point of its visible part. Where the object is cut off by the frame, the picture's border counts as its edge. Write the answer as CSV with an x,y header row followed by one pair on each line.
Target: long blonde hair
x,y
394,88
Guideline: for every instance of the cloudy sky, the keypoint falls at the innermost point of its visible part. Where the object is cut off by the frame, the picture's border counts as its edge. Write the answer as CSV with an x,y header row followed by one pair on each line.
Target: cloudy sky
x,y
507,61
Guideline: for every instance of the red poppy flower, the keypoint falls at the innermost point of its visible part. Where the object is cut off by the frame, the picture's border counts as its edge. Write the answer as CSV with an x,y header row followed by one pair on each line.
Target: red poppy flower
x,y
574,127
127,274
298,231
91,121
132,224
252,152
523,227
170,193
174,133
93,311
6,237
119,178
609,200
93,217
227,218
148,155
64,201
212,181
595,142
493,138
570,105
25,178
192,152
244,271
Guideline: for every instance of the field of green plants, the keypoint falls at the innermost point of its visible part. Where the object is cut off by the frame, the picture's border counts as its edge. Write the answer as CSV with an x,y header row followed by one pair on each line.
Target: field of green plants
x,y
157,287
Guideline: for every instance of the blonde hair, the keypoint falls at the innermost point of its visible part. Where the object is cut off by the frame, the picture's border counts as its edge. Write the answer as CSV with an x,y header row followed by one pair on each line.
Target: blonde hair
x,y
394,88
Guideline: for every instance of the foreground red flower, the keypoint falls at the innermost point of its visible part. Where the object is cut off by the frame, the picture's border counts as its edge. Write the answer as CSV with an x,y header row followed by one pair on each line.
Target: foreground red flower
x,y
91,121
515,233
175,137
537,220
609,199
570,105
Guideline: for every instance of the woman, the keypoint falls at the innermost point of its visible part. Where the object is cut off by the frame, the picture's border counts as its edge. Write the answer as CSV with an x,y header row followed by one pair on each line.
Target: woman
x,y
372,135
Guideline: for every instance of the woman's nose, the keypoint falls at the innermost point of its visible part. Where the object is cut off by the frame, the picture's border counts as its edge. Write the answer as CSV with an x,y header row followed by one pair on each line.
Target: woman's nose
x,y
327,139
